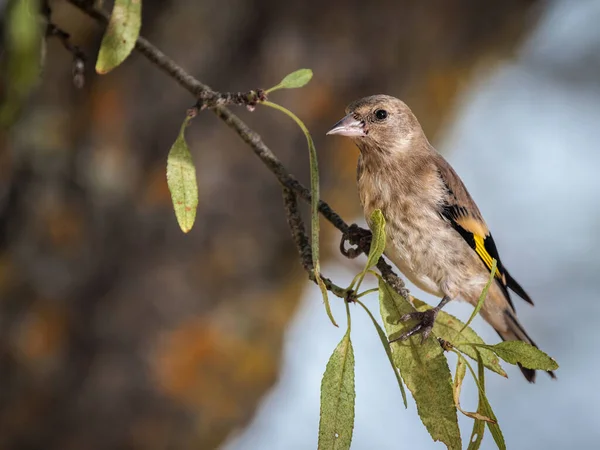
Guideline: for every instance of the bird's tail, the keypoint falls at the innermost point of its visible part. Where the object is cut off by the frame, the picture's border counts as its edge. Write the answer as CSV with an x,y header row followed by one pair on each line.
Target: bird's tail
x,y
516,332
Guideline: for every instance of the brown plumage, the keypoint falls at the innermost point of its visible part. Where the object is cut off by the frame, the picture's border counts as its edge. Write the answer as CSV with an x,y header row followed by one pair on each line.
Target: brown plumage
x,y
437,236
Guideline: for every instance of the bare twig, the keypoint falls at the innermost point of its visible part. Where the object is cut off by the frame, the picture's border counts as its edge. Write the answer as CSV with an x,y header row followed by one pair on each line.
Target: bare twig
x,y
202,91
298,231
79,58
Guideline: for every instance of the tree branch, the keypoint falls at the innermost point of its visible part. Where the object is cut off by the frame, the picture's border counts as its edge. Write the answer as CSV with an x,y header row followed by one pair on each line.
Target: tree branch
x,y
203,92
298,231
79,58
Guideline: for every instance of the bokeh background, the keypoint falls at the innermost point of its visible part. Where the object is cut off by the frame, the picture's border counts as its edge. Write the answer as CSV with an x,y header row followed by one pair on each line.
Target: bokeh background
x,y
119,332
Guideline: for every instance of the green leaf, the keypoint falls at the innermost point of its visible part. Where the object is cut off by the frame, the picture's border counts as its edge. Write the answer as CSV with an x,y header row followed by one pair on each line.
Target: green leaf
x,y
323,289
314,201
294,80
121,34
476,434
377,225
519,352
484,408
181,179
424,370
21,55
337,398
448,327
388,350
478,425
483,295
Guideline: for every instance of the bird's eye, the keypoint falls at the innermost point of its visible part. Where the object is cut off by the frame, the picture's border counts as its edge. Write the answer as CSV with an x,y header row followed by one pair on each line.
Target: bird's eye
x,y
381,114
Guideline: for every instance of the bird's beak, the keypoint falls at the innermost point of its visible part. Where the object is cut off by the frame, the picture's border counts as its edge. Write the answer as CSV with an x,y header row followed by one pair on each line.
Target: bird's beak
x,y
348,126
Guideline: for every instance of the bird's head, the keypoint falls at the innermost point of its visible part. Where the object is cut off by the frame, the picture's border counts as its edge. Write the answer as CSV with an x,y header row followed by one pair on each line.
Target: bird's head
x,y
379,123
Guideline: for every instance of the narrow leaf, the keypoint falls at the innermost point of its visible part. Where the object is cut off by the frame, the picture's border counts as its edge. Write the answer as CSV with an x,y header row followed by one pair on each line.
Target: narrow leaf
x,y
388,351
21,56
377,225
459,376
314,200
483,295
181,179
486,408
461,370
293,80
323,289
478,425
520,352
449,328
476,435
314,213
337,398
121,34
424,370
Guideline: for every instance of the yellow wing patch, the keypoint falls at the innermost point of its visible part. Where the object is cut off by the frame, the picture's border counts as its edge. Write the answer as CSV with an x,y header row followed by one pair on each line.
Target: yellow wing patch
x,y
472,225
485,256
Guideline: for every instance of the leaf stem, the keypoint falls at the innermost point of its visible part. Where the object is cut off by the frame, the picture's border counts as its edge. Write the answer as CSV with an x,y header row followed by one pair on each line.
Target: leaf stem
x,y
482,297
368,291
314,201
388,351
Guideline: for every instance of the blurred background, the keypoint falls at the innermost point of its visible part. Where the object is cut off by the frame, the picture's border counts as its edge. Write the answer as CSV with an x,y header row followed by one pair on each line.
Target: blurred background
x,y
117,331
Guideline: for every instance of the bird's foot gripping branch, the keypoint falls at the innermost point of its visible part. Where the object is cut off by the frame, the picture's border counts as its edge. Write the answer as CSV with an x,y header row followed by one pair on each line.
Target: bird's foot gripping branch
x,y
419,364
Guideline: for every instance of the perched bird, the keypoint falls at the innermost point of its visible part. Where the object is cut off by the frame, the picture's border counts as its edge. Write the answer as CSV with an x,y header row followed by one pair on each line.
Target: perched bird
x,y
436,235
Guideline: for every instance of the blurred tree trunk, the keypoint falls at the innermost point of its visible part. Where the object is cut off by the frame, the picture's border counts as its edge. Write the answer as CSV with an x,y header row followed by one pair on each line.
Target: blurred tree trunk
x,y
118,331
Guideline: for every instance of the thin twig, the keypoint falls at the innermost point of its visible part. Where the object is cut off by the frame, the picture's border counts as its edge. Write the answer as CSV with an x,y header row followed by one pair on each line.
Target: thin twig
x,y
79,58
298,231
249,136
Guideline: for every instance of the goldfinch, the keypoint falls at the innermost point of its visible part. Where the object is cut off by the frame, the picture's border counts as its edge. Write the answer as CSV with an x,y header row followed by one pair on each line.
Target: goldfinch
x,y
436,235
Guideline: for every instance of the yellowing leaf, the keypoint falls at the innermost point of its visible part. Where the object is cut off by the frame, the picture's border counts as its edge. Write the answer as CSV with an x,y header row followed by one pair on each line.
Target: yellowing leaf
x,y
449,328
527,355
424,369
181,179
461,370
337,398
121,34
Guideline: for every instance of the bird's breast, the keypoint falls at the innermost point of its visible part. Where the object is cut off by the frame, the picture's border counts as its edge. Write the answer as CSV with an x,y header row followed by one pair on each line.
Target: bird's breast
x,y
412,219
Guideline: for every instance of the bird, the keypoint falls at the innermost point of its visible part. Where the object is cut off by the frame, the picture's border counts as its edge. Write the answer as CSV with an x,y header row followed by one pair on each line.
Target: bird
x,y
436,235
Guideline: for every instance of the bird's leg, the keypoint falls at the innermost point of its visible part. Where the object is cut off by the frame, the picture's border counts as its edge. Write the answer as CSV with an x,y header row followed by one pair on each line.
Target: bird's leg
x,y
357,236
426,320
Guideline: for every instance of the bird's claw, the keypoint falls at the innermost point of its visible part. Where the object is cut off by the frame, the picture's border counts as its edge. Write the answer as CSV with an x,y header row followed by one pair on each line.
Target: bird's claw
x,y
359,237
424,326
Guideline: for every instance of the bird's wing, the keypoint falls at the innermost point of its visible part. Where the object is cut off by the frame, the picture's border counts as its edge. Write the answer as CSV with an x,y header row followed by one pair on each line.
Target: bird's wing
x,y
464,216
